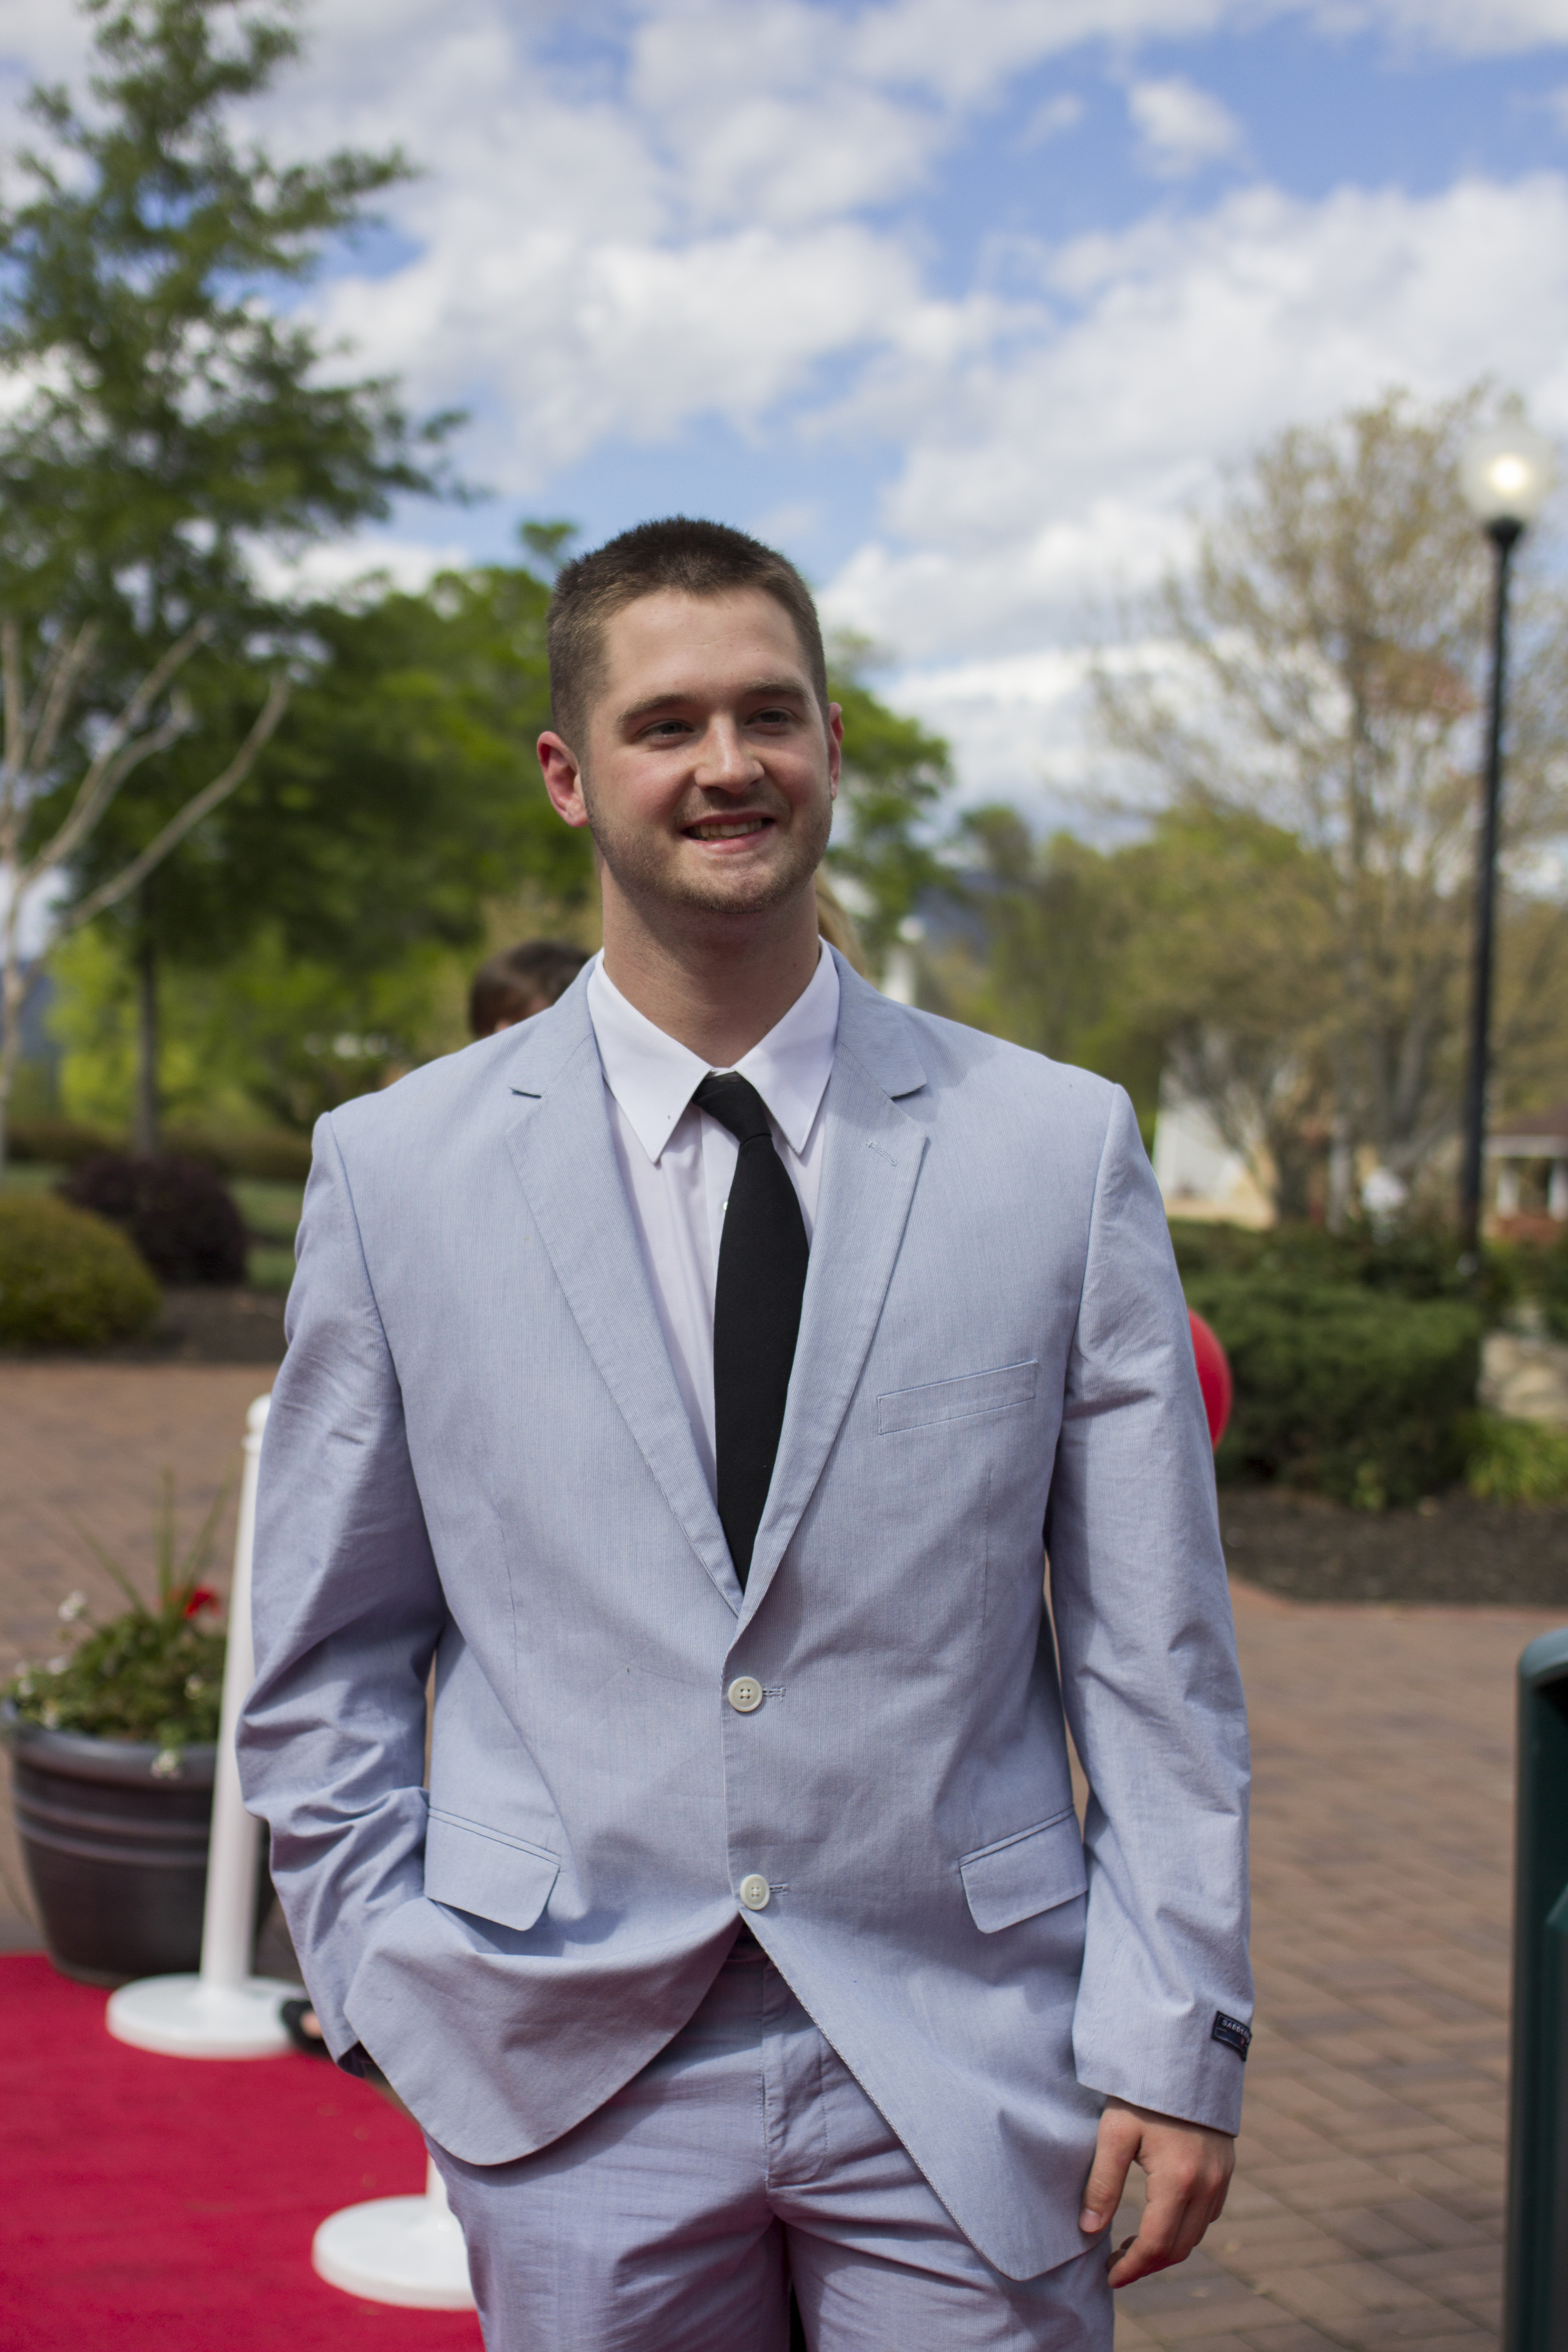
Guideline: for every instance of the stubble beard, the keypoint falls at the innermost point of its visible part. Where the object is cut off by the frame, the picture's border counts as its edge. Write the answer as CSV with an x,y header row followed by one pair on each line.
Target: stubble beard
x,y
643,874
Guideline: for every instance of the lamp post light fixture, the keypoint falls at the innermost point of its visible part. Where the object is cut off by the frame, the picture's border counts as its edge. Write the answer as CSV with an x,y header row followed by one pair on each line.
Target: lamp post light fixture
x,y
1505,476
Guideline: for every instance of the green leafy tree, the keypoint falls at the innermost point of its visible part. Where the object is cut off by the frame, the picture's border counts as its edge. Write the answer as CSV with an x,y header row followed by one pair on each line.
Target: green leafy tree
x,y
402,791
176,420
1041,951
319,914
1230,962
895,775
37,716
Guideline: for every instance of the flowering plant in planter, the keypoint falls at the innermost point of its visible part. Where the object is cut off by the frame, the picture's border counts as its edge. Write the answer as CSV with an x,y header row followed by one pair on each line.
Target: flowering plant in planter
x,y
114,1753
155,1671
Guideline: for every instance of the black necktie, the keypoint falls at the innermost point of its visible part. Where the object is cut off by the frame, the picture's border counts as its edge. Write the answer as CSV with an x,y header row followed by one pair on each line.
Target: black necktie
x,y
756,1310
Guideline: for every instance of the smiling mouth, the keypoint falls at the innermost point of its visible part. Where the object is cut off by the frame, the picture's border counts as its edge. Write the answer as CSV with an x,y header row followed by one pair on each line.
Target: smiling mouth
x,y
726,828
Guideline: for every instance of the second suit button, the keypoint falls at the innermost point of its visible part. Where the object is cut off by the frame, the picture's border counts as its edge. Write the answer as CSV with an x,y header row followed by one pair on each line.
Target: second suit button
x,y
744,1695
754,1892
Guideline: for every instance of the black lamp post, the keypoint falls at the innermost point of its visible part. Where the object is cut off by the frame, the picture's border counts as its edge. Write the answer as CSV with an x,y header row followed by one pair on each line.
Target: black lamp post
x,y
1505,477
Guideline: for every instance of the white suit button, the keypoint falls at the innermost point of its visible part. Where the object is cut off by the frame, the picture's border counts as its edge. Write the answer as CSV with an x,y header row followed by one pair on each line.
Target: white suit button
x,y
754,1892
744,1695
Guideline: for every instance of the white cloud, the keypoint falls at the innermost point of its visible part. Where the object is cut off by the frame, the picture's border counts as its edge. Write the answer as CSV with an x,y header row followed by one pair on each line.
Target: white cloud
x,y
576,344
1463,27
1044,480
1016,727
1194,339
348,570
1056,115
702,228
963,50
754,113
632,221
39,40
1182,127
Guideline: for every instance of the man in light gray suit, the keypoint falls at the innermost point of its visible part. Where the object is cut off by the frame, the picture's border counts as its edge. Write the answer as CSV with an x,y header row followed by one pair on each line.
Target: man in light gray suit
x,y
697,1375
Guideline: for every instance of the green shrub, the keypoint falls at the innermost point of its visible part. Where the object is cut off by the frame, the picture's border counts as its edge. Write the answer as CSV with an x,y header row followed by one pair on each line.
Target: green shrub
x,y
1515,1461
58,1142
273,1154
1551,1288
68,1279
1419,1261
1340,1388
179,1214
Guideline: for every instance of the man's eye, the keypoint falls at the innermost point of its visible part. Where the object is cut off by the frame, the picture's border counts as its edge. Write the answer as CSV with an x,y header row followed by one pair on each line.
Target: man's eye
x,y
772,718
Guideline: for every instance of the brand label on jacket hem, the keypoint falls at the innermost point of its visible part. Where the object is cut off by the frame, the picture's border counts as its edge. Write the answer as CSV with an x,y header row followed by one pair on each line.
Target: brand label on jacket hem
x,y
1231,2030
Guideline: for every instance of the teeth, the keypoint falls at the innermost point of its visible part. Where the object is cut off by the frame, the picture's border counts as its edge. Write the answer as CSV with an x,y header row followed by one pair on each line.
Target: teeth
x,y
725,831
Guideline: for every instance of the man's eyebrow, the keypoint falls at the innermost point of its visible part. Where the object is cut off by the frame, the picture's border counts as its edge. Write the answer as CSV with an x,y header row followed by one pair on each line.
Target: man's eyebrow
x,y
776,689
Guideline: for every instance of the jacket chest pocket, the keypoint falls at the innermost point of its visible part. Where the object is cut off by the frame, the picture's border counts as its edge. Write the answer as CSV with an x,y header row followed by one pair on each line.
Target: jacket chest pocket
x,y
479,1870
1031,1872
958,1400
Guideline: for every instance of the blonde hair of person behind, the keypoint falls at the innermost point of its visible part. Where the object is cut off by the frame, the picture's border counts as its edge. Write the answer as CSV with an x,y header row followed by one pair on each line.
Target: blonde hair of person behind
x,y
833,921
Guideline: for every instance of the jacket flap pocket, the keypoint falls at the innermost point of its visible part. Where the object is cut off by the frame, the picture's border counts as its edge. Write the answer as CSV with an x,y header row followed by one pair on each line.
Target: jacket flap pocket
x,y
1033,1871
479,1870
1010,1385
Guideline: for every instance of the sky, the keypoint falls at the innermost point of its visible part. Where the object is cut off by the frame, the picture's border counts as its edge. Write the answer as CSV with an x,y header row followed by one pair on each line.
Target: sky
x,y
966,304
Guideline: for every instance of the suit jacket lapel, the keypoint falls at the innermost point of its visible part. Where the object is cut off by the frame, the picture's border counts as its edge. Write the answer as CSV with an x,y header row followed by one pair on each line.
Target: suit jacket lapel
x,y
871,1158
562,1149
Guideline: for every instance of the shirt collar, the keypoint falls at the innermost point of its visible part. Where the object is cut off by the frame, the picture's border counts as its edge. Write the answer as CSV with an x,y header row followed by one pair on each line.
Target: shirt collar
x,y
653,1077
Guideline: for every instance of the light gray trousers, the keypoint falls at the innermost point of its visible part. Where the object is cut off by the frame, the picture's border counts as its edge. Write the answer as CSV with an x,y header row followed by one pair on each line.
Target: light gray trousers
x,y
746,2155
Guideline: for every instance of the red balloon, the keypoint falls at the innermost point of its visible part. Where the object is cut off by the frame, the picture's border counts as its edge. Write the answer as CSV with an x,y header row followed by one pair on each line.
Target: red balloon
x,y
1213,1376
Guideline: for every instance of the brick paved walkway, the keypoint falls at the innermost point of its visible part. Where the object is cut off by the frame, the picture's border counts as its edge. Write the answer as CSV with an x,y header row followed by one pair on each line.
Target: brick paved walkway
x,y
1367,2209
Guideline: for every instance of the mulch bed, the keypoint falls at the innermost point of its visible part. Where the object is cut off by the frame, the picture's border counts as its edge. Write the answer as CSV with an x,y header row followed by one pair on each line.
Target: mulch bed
x,y
1449,1549
194,1327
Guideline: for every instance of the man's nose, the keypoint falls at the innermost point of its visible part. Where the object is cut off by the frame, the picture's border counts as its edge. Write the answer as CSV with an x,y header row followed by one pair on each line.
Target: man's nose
x,y
726,760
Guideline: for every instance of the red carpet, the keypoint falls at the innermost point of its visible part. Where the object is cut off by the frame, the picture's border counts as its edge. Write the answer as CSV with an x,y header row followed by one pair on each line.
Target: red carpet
x,y
168,2204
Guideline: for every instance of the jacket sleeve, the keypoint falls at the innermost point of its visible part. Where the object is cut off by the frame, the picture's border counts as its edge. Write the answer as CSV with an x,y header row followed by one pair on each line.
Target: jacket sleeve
x,y
1150,1679
348,1609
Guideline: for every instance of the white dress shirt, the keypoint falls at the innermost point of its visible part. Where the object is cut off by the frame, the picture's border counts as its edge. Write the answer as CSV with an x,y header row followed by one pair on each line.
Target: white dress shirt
x,y
676,1163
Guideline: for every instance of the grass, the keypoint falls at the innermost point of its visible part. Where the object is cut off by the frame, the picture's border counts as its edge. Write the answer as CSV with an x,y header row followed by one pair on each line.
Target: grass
x,y
26,1176
269,1268
272,1213
271,1210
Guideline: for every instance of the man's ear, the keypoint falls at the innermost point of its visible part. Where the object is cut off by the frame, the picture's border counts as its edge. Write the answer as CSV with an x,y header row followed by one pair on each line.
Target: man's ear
x,y
563,778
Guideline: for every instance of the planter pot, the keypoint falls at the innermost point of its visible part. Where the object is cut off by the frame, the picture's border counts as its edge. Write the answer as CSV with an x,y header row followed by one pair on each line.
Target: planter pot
x,y
117,1856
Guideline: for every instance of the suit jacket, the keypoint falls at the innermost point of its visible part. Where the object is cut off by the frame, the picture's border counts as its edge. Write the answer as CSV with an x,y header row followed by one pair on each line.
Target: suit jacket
x,y
477,1454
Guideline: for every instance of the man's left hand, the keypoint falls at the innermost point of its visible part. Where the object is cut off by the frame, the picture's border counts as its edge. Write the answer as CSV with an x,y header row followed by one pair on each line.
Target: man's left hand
x,y
1189,2169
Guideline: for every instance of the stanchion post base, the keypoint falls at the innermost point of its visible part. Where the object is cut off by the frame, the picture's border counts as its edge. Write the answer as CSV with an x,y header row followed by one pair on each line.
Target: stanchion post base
x,y
181,2017
402,2250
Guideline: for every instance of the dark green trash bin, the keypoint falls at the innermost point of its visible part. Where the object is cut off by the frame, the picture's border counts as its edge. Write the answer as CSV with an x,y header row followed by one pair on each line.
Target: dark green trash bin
x,y
1536,2310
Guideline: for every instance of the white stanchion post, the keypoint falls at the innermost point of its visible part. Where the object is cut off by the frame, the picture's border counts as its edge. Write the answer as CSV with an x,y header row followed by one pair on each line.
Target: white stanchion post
x,y
223,2012
403,2250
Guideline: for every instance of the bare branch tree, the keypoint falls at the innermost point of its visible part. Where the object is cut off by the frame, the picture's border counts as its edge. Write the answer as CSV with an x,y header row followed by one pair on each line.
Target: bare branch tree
x,y
1320,671
156,715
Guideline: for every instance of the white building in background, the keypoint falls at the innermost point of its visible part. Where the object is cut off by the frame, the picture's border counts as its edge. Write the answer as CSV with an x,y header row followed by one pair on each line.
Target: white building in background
x,y
1198,1174
1524,1147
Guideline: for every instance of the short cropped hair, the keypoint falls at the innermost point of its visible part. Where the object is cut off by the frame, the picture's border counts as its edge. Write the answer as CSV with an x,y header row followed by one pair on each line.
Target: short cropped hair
x,y
520,981
690,557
